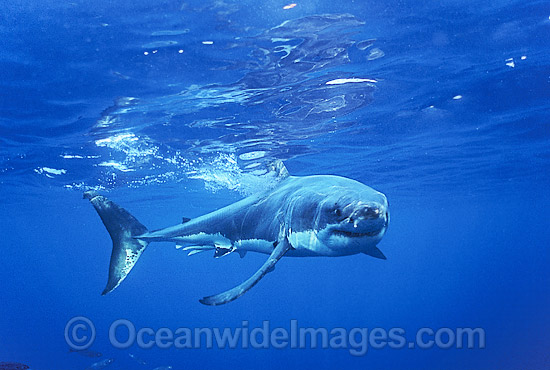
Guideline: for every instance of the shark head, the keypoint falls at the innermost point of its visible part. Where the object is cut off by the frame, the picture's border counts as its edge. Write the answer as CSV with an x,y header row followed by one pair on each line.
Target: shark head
x,y
339,216
353,221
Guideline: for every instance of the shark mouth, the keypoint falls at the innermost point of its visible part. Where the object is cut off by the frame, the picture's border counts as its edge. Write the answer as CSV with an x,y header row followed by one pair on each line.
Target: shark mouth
x,y
350,234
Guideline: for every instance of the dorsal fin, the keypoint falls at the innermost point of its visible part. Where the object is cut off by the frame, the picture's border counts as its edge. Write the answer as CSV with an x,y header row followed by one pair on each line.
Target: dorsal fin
x,y
279,168
185,219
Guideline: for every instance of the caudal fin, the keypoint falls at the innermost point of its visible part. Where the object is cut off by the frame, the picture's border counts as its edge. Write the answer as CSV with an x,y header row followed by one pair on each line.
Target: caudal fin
x,y
123,228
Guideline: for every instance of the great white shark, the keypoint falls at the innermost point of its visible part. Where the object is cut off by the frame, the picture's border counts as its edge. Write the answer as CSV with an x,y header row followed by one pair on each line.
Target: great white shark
x,y
305,216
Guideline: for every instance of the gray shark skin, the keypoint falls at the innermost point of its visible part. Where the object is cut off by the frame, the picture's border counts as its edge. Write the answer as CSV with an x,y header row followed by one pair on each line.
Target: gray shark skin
x,y
306,216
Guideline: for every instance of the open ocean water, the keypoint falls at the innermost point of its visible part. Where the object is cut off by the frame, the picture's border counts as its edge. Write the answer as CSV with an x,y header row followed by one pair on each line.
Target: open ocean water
x,y
176,108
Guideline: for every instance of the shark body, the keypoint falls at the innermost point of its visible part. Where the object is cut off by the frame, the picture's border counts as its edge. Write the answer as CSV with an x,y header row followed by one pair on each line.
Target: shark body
x,y
305,216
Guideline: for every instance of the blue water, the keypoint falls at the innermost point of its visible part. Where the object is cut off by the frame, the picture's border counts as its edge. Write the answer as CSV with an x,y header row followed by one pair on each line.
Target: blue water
x,y
177,108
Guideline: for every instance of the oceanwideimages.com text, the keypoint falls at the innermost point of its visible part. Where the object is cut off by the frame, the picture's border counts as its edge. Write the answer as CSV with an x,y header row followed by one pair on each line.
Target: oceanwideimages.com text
x,y
80,334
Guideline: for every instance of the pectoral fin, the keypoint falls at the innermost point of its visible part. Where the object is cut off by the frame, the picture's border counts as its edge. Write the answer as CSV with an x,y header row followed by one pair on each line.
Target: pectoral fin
x,y
376,253
239,290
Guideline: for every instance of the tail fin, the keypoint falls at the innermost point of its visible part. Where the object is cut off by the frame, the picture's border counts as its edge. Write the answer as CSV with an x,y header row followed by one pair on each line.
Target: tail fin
x,y
122,227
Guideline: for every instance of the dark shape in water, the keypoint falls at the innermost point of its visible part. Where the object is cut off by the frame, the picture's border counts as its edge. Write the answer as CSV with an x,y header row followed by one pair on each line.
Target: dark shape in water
x,y
12,366
86,353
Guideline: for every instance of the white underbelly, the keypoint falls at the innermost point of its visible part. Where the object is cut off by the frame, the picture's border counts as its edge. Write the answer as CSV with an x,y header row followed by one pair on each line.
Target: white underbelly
x,y
254,245
306,243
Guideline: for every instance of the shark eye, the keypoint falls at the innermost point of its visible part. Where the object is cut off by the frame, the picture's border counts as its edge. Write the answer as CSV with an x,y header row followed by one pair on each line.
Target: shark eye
x,y
338,212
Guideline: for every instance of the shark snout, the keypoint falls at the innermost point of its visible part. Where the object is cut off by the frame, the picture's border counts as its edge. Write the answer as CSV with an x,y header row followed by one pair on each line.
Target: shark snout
x,y
365,220
369,211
